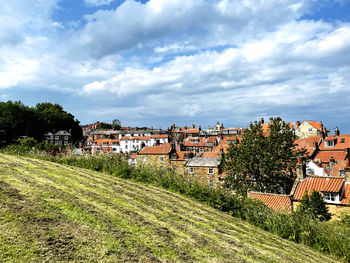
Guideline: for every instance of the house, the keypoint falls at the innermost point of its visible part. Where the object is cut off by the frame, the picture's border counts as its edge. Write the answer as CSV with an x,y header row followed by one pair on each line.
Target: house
x,y
134,144
105,146
200,144
308,129
332,153
178,160
204,170
132,159
334,189
59,138
274,201
309,145
157,156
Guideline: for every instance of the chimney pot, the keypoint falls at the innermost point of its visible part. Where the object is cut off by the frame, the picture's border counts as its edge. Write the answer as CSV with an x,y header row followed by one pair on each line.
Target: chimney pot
x,y
262,120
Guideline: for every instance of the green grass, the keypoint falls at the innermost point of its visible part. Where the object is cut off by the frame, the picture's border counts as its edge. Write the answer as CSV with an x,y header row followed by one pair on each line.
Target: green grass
x,y
55,213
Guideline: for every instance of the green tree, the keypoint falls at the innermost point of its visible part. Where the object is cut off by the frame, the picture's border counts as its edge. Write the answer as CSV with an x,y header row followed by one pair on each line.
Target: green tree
x,y
116,124
262,162
314,206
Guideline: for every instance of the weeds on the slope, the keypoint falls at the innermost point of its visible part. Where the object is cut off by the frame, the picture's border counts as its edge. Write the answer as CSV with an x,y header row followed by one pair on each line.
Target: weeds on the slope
x,y
329,237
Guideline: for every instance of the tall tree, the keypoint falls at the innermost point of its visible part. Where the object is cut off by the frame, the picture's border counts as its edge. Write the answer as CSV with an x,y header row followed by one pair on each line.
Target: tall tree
x,y
314,205
262,161
116,124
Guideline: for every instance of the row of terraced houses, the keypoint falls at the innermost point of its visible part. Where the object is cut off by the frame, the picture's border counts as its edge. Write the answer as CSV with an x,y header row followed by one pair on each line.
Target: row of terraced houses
x,y
195,152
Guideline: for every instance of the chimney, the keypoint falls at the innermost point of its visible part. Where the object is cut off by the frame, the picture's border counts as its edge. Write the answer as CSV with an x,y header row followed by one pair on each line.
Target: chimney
x,y
193,126
262,120
321,125
301,169
347,169
337,132
297,123
199,128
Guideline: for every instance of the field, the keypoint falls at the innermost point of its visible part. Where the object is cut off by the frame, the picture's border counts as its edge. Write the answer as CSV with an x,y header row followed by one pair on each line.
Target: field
x,y
55,213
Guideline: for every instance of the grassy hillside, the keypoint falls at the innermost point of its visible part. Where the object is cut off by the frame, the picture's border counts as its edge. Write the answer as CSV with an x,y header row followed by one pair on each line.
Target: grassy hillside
x,y
58,213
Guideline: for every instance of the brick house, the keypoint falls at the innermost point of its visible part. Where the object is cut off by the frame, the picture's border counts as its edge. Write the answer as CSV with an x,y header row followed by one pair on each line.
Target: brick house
x,y
158,156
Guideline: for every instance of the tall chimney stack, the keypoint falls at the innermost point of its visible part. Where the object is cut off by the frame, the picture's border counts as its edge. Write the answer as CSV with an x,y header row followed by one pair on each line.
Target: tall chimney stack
x,y
337,132
301,169
262,120
347,169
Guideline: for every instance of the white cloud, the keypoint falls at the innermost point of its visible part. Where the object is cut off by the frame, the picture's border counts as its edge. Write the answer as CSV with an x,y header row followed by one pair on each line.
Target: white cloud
x,y
98,2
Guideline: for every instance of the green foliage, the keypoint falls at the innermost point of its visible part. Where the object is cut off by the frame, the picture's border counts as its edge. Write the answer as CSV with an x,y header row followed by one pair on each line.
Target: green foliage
x,y
28,146
262,163
314,206
17,119
116,124
104,126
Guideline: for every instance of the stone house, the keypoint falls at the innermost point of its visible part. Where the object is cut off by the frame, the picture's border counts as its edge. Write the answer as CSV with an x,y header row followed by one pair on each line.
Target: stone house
x,y
157,156
179,159
204,170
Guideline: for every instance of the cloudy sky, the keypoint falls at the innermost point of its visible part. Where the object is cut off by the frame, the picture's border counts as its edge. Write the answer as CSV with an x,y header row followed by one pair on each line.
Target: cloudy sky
x,y
159,62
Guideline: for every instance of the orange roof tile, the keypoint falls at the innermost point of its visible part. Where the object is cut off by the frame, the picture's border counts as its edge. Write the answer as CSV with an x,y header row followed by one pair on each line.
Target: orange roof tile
x,y
164,148
157,136
201,142
181,155
274,201
139,138
208,154
192,130
321,184
325,156
339,144
316,125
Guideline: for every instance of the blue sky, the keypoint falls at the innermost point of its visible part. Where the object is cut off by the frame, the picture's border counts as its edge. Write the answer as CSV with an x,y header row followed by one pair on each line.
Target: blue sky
x,y
160,62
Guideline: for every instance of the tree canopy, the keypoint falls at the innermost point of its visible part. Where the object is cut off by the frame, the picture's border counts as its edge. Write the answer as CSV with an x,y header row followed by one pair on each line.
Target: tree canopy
x,y
17,119
262,161
314,206
116,124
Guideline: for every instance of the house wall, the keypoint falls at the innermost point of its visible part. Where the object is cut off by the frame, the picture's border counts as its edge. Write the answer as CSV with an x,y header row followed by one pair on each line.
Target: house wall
x,y
303,131
201,174
154,160
179,166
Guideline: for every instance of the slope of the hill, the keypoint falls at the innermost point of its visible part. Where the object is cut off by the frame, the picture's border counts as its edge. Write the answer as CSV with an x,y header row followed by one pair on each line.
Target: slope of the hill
x,y
55,213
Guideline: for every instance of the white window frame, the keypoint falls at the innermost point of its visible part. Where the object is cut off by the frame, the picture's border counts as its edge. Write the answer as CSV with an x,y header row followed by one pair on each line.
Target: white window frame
x,y
161,159
211,183
201,149
57,137
66,137
190,170
144,159
211,171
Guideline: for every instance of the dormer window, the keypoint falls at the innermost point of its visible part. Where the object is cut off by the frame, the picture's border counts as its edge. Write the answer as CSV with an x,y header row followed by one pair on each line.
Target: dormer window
x,y
342,140
194,140
330,143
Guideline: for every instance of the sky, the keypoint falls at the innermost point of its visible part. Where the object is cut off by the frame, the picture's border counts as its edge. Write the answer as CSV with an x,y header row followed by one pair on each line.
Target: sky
x,y
158,62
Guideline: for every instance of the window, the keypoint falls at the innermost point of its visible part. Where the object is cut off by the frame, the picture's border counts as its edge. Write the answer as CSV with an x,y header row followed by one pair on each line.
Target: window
x,y
126,146
66,137
342,140
56,137
161,159
144,159
330,143
211,183
105,143
310,129
65,142
211,171
191,170
201,149
188,148
210,144
330,196
194,140
341,173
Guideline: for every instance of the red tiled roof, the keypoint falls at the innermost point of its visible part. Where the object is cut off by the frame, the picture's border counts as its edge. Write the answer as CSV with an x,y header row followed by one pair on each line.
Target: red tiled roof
x,y
157,136
164,148
127,138
192,130
181,155
321,184
325,156
108,141
316,125
339,144
274,201
208,154
212,139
